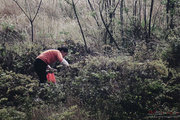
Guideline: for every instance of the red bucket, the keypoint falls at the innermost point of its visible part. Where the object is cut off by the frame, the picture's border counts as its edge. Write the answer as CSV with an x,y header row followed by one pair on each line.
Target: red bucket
x,y
51,77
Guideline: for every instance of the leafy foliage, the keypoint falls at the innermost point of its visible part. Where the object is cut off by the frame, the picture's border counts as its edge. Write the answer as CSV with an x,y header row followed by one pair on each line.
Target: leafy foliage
x,y
118,89
11,60
172,55
15,88
11,114
111,88
104,84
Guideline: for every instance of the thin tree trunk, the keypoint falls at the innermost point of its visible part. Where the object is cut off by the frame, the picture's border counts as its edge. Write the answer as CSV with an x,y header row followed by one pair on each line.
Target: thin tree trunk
x,y
107,28
151,10
31,20
145,14
140,11
32,31
134,10
167,13
74,8
105,4
172,6
145,22
92,9
122,19
111,17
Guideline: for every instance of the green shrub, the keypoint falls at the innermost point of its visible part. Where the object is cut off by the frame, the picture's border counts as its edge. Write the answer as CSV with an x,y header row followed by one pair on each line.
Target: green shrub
x,y
51,94
11,114
16,89
23,94
108,88
116,88
12,61
172,55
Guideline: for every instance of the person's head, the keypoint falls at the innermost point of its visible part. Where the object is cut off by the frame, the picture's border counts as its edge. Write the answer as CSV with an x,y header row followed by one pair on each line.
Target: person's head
x,y
63,50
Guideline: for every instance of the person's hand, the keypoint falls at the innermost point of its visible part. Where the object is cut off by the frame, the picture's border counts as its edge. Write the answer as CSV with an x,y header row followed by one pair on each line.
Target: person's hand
x,y
51,70
68,66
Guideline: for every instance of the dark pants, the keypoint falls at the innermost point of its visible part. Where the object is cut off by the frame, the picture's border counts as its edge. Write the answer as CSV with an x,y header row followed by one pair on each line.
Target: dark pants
x,y
40,69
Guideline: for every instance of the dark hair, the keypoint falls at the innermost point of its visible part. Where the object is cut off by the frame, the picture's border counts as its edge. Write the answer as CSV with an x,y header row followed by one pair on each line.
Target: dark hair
x,y
64,49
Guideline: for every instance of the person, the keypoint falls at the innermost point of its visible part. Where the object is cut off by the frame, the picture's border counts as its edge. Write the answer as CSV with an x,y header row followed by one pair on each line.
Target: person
x,y
48,57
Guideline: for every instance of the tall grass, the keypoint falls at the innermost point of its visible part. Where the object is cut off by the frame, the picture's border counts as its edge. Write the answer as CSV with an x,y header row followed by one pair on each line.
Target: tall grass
x,y
56,21
52,24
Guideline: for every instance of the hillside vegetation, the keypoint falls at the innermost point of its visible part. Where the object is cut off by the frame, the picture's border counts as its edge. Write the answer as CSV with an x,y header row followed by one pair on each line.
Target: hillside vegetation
x,y
124,57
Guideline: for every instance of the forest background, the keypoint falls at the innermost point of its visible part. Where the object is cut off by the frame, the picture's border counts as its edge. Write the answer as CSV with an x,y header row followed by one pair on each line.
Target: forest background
x,y
124,56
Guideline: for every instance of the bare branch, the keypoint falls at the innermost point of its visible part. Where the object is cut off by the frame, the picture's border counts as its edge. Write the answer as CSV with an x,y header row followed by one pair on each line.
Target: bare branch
x,y
92,9
28,9
113,12
116,6
151,10
22,9
74,7
37,11
29,17
107,29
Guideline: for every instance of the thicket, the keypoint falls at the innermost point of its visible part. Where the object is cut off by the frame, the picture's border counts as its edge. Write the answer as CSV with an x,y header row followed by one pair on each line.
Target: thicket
x,y
95,87
130,71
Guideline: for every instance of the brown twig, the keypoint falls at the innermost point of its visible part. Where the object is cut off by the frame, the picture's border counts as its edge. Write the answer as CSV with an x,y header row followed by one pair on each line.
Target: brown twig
x,y
107,26
29,17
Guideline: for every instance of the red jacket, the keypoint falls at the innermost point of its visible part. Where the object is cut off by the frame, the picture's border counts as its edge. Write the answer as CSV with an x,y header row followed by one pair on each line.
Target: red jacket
x,y
51,56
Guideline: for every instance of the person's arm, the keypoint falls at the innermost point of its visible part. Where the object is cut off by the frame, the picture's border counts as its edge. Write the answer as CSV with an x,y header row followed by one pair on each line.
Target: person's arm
x,y
64,62
49,68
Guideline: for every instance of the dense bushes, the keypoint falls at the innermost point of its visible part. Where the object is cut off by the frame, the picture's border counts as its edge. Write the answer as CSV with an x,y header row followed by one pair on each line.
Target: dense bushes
x,y
94,87
21,98
11,114
11,60
15,88
119,89
172,55
17,93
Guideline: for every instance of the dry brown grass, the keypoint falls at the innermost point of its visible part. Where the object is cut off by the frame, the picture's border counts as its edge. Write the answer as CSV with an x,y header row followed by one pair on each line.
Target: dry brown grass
x,y
56,21
7,8
53,22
